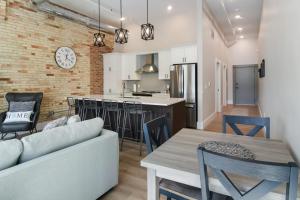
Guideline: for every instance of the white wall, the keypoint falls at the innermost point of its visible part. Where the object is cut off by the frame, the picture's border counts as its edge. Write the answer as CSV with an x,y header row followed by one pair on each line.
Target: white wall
x,y
279,93
212,49
243,52
172,31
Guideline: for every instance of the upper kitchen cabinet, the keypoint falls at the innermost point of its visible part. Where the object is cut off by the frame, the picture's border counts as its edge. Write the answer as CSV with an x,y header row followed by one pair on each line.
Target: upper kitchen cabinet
x,y
164,63
112,83
186,54
129,67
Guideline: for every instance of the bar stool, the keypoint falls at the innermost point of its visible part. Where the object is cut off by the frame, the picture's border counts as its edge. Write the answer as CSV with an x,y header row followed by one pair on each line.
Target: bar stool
x,y
90,109
111,108
133,110
71,105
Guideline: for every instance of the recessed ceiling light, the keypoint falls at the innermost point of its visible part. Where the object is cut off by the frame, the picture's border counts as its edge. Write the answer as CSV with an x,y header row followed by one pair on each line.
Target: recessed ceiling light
x,y
122,18
169,8
242,37
238,17
239,28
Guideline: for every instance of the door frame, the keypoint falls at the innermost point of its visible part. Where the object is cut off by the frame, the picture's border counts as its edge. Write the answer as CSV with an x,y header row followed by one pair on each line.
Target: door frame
x,y
218,85
255,66
225,84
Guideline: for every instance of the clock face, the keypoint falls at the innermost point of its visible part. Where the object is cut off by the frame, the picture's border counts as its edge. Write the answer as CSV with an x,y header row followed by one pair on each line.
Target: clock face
x,y
65,57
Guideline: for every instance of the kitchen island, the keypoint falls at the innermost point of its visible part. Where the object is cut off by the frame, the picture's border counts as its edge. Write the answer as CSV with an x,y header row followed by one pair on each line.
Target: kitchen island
x,y
173,108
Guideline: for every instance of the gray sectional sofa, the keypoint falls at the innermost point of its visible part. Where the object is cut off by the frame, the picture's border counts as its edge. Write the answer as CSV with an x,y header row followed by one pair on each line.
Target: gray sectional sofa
x,y
74,162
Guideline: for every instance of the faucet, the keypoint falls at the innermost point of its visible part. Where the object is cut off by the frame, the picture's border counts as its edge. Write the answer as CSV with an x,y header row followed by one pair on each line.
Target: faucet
x,y
123,88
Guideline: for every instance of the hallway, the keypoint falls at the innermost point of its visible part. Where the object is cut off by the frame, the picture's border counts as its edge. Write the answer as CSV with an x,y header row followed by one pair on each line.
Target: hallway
x,y
216,124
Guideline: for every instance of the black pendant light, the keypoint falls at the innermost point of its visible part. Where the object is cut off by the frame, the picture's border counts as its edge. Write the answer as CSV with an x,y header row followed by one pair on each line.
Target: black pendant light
x,y
99,37
121,34
147,30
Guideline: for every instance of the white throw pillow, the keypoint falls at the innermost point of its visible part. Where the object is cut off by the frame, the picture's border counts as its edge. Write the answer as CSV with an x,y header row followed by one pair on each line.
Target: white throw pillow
x,y
56,123
74,119
10,151
55,139
12,117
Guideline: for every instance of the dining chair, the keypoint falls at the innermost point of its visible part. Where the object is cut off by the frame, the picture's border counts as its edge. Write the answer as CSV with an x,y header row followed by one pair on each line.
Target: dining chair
x,y
157,132
271,175
258,122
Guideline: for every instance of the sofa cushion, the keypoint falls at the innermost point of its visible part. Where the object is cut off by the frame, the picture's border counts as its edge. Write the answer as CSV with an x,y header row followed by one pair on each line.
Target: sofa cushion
x,y
55,139
10,151
21,106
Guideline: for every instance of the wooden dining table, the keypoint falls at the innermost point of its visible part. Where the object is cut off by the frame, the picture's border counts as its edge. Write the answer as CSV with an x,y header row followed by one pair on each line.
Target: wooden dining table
x,y
177,160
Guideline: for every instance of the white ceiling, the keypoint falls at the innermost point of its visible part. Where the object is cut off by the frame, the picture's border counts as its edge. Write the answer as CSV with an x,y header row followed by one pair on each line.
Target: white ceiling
x,y
133,10
224,12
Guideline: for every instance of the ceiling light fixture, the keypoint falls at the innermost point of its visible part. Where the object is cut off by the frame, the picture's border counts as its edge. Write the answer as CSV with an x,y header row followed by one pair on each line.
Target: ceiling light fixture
x,y
147,30
99,37
122,19
121,34
238,17
239,28
169,8
242,37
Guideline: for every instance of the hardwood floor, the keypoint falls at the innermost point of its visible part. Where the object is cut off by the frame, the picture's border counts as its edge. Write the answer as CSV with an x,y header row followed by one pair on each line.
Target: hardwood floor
x,y
133,178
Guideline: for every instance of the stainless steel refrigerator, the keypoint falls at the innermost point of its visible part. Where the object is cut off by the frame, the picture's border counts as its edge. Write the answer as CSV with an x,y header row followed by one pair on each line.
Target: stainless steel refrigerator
x,y
183,84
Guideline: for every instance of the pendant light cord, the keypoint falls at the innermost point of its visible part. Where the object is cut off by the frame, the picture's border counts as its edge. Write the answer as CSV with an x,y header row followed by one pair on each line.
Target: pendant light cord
x,y
99,13
147,12
121,13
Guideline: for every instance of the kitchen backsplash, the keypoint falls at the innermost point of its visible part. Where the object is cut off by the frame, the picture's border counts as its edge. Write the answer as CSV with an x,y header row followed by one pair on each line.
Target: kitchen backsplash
x,y
149,82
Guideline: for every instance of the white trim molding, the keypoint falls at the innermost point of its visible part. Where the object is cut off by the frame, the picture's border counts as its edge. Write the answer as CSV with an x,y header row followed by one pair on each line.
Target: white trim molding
x,y
209,119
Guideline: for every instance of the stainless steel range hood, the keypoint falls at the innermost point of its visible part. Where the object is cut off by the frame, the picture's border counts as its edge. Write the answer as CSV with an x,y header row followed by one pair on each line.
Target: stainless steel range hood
x,y
149,66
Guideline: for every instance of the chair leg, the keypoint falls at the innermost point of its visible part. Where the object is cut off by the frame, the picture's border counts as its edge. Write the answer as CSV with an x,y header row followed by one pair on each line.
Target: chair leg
x,y
123,130
142,134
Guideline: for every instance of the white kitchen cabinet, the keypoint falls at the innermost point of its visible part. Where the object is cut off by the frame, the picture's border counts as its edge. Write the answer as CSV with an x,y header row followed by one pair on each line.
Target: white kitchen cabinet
x,y
129,67
164,63
185,54
112,63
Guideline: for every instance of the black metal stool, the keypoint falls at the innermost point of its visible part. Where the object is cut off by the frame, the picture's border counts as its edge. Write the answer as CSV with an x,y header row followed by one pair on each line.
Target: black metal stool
x,y
71,105
133,110
111,108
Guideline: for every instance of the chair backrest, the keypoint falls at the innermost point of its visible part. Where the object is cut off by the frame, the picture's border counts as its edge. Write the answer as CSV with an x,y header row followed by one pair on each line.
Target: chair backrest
x,y
258,122
22,97
271,174
71,102
156,132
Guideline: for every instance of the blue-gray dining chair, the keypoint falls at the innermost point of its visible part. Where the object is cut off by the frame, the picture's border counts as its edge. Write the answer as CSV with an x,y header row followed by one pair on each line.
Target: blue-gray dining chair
x,y
271,174
157,132
258,122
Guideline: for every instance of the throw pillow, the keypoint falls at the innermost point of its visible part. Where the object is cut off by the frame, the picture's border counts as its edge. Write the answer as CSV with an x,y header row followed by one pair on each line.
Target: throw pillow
x,y
13,117
73,119
56,123
10,151
19,106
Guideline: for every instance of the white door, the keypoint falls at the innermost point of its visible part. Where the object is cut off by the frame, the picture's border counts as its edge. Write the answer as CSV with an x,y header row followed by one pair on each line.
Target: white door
x,y
191,54
177,55
164,63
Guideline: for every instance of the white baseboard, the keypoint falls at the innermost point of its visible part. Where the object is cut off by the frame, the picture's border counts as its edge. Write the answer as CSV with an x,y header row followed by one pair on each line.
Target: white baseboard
x,y
230,102
260,111
209,119
200,125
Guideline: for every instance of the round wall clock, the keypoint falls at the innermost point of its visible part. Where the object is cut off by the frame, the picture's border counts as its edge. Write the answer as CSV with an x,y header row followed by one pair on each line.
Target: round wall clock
x,y
65,57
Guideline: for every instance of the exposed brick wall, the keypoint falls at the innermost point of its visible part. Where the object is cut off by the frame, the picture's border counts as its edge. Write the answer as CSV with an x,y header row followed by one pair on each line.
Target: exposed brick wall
x,y
28,41
97,69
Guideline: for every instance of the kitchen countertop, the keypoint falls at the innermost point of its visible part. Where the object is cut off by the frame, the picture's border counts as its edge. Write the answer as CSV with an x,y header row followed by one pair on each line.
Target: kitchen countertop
x,y
154,101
